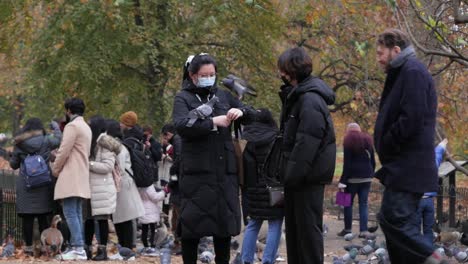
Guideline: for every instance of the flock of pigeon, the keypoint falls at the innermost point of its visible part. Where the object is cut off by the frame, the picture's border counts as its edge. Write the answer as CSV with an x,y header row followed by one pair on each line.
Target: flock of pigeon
x,y
449,244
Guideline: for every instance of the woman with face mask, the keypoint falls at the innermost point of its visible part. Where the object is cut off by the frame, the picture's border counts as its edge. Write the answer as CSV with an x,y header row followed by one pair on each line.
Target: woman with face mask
x,y
208,178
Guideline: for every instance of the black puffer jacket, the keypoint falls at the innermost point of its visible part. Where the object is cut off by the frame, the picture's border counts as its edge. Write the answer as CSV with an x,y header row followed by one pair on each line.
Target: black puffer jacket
x,y
39,200
309,136
208,180
259,138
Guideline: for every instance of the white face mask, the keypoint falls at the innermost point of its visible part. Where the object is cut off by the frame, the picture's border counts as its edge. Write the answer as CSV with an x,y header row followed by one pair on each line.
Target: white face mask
x,y
206,81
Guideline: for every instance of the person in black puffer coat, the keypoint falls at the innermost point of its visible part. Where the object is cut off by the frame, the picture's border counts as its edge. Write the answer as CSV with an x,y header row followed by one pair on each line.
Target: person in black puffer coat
x,y
208,180
309,150
259,135
38,202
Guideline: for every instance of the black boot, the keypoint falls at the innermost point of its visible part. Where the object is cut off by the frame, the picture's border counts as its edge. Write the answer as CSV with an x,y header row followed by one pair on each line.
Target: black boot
x,y
89,251
101,254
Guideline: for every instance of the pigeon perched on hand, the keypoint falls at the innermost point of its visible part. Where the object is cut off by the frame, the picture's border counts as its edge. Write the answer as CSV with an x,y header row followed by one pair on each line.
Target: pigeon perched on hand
x,y
239,86
203,111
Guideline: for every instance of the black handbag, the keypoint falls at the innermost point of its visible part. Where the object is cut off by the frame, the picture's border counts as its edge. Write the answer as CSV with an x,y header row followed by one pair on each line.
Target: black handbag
x,y
272,172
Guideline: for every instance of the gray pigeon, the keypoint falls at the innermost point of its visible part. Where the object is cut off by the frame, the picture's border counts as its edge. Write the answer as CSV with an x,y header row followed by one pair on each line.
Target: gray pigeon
x,y
461,257
203,111
349,247
349,237
237,259
207,257
366,250
126,253
238,85
325,230
337,260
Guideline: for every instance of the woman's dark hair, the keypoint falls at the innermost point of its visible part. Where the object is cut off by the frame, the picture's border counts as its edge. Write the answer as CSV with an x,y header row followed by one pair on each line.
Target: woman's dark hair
x,y
197,62
113,128
264,116
33,124
393,37
296,63
75,105
98,126
357,141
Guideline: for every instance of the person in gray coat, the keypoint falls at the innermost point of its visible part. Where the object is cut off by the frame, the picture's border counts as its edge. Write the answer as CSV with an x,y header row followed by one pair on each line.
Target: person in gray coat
x,y
37,202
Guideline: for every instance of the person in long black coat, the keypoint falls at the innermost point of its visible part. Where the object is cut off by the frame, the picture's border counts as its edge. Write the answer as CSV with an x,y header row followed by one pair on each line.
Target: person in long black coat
x,y
309,152
38,202
404,140
208,178
260,136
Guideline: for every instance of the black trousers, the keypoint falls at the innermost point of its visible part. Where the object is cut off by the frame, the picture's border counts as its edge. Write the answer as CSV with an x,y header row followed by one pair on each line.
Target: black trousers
x,y
401,226
124,232
103,232
28,224
144,234
222,246
304,223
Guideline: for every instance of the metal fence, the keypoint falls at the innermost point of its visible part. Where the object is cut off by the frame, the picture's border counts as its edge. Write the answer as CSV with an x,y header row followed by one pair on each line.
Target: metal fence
x,y
451,203
10,223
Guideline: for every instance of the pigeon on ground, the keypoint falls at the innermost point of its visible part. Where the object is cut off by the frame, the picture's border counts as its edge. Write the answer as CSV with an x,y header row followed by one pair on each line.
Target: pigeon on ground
x,y
337,260
126,253
239,86
464,239
382,256
366,250
349,247
207,257
203,111
325,230
237,259
349,237
234,244
461,257
372,229
350,257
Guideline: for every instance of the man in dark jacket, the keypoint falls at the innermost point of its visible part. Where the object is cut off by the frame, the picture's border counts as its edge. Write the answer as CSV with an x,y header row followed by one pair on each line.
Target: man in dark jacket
x,y
309,154
404,136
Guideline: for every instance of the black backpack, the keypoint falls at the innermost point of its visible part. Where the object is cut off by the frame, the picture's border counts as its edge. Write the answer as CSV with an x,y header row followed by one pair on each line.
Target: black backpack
x,y
142,162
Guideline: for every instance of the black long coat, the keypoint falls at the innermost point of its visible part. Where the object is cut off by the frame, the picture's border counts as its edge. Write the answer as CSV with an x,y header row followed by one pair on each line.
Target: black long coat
x,y
208,178
404,130
39,200
259,138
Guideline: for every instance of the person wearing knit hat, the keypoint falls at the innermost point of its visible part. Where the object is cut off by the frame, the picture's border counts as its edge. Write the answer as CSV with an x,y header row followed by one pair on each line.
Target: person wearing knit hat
x,y
128,119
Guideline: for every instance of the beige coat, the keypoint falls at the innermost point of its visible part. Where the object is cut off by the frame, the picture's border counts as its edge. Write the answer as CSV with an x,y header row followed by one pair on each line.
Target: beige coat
x,y
129,204
71,165
101,180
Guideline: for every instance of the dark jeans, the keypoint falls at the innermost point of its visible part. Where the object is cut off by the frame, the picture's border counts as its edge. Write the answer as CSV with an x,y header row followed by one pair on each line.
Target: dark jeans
x,y
400,224
90,230
222,247
28,225
362,191
144,234
304,224
124,232
426,215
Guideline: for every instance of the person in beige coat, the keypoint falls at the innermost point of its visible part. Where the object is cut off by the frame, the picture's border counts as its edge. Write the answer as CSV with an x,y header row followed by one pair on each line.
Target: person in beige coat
x,y
104,151
129,205
71,167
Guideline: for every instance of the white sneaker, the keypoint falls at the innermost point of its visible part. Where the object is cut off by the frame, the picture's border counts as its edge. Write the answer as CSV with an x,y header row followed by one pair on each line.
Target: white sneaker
x,y
116,257
75,254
